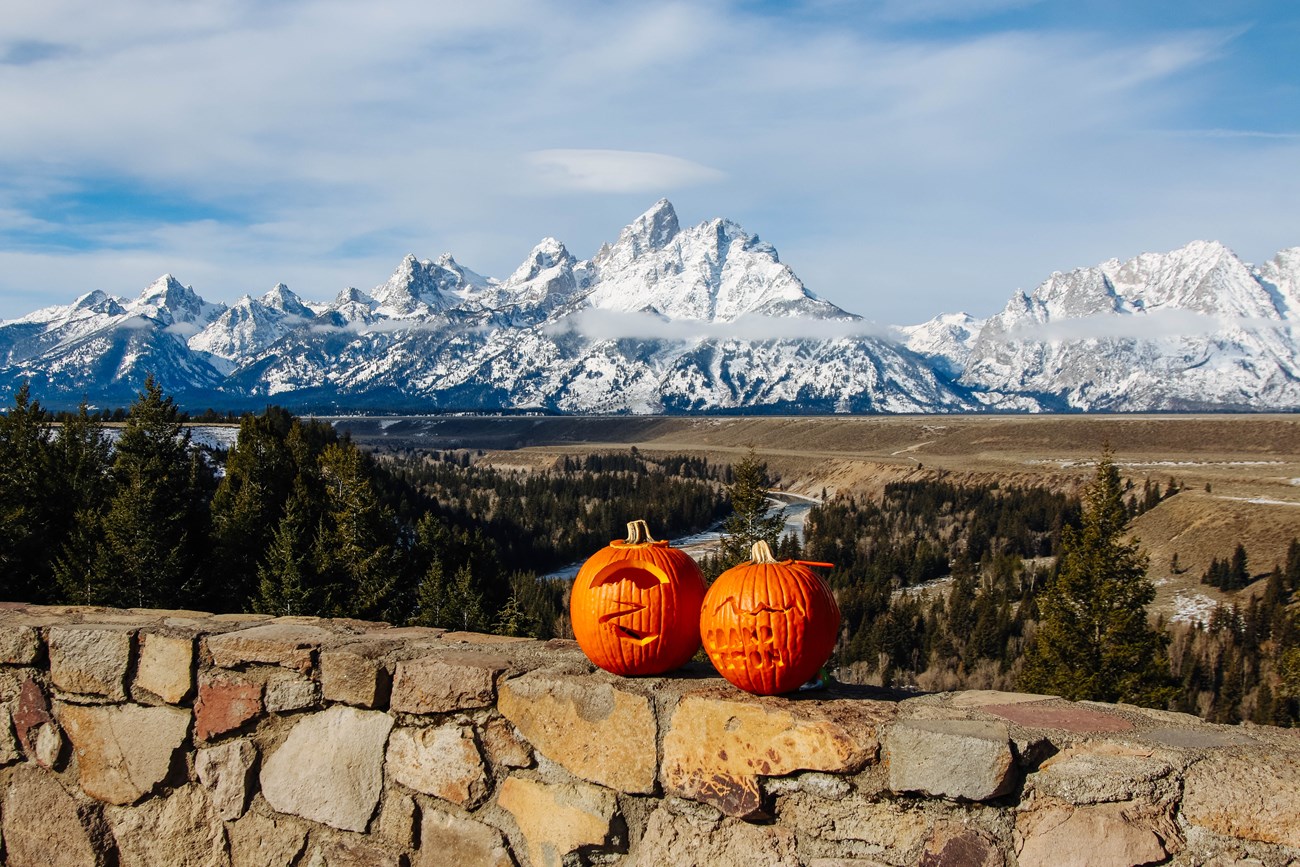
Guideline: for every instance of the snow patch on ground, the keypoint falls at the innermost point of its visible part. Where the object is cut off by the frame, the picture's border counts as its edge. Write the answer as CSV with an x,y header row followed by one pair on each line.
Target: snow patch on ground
x,y
1192,608
1262,501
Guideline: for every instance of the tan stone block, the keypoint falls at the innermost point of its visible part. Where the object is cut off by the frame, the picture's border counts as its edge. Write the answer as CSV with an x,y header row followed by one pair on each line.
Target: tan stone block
x,y
672,840
289,645
446,839
350,853
258,840
356,675
286,691
19,644
225,702
1254,796
1104,835
8,740
446,682
1099,772
123,751
43,826
91,660
397,817
503,747
877,826
601,734
342,791
557,819
444,762
180,830
717,747
226,771
961,759
166,666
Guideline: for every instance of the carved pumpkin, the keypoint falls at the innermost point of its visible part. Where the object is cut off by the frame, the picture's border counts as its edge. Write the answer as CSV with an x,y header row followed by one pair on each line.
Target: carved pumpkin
x,y
635,605
769,626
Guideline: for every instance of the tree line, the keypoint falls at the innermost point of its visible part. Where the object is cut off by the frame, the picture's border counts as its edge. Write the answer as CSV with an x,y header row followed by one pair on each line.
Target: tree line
x,y
297,519
974,586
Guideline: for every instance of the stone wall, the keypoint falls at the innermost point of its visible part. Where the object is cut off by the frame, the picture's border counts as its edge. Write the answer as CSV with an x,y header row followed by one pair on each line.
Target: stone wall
x,y
182,738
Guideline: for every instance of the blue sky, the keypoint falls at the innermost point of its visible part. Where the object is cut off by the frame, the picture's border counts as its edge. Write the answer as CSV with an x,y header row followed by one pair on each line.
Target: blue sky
x,y
906,157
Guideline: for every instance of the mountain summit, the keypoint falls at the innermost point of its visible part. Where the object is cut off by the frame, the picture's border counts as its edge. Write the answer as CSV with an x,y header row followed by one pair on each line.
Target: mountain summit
x,y
704,318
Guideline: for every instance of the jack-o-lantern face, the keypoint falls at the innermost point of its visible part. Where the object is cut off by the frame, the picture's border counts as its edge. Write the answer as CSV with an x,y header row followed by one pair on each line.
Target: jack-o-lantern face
x,y
768,626
635,605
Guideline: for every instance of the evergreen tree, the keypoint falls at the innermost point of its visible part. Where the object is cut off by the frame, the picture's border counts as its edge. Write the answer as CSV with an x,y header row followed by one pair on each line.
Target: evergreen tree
x,y
1094,641
26,499
750,520
431,597
83,460
357,553
286,578
155,524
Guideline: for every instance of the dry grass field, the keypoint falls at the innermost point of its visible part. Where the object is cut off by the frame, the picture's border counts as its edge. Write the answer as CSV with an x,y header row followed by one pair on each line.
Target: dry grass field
x,y
1240,473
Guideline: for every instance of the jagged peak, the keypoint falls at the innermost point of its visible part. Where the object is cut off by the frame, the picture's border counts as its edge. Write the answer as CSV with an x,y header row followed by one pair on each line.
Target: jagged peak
x,y
549,253
653,230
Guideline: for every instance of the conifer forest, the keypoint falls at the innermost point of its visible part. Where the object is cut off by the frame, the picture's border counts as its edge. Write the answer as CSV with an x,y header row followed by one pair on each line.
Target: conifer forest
x,y
941,585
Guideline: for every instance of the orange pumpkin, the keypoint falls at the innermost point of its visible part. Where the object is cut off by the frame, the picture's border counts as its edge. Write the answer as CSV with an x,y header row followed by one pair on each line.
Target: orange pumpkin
x,y
635,605
769,626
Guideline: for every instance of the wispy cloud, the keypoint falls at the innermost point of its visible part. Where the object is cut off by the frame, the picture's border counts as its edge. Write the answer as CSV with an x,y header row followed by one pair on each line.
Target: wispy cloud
x,y
610,171
597,324
1153,325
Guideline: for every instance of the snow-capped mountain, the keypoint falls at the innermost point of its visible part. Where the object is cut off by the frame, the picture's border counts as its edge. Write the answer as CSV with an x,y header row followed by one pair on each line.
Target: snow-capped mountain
x,y
1192,329
671,319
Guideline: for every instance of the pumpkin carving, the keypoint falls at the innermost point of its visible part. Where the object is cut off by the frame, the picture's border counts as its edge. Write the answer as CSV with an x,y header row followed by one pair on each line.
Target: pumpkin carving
x,y
635,605
769,626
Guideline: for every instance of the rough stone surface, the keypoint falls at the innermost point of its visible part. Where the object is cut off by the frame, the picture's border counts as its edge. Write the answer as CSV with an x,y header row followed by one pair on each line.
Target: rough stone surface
x,y
397,817
226,770
342,792
285,692
8,740
356,675
258,840
601,734
981,698
1071,719
350,853
181,830
673,840
447,839
225,702
32,714
557,819
717,747
90,660
289,645
123,751
166,666
444,683
1240,797
51,748
19,644
38,810
503,747
957,846
872,826
964,759
444,762
1058,835
1100,773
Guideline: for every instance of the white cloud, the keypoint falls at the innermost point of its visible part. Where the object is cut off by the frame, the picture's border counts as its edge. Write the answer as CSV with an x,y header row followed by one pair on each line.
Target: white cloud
x,y
598,324
1152,325
609,171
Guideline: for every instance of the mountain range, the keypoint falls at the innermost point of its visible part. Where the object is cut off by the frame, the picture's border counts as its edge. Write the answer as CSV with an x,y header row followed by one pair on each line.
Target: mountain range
x,y
679,320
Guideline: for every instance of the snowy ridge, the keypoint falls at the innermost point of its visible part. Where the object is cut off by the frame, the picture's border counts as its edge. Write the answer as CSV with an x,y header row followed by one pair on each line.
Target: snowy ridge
x,y
697,319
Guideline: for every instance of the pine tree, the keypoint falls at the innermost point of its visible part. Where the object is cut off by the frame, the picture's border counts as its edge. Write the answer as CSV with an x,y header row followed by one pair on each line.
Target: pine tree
x,y
750,520
83,459
286,579
154,527
1094,641
26,500
357,553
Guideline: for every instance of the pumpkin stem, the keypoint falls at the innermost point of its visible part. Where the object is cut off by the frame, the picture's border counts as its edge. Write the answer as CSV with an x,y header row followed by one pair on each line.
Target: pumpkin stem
x,y
761,553
638,533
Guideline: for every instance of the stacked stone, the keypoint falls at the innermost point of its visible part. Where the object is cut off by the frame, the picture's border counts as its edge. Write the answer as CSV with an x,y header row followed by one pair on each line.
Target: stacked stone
x,y
183,738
